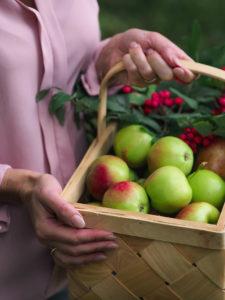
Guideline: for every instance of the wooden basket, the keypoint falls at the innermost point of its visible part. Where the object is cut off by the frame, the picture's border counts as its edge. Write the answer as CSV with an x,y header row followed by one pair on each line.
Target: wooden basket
x,y
158,257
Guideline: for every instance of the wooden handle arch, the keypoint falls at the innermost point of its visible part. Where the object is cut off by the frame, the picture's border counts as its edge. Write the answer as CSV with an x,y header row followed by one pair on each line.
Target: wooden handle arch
x,y
193,66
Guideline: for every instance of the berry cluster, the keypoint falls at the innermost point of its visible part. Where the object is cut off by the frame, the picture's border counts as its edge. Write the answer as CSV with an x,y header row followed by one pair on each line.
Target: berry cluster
x,y
220,106
162,98
195,140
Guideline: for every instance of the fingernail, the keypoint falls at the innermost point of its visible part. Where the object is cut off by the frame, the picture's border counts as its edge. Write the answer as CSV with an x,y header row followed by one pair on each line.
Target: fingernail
x,y
111,237
78,221
134,45
99,257
113,246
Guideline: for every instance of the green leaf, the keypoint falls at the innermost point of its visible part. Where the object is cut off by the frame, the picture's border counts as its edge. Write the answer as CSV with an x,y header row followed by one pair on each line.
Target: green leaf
x,y
57,101
151,89
136,98
204,127
60,115
190,102
42,94
195,40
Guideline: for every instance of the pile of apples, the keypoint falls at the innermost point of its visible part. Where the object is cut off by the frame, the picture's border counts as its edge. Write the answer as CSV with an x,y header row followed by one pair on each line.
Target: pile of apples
x,y
155,176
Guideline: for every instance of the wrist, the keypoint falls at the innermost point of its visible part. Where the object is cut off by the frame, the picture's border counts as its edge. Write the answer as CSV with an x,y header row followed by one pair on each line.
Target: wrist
x,y
18,184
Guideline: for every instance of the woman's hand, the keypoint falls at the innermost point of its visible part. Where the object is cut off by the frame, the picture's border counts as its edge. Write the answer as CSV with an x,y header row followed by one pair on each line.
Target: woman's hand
x,y
57,223
146,56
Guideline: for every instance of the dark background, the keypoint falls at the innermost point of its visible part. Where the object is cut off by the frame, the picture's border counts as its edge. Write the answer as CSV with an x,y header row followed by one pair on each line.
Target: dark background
x,y
173,18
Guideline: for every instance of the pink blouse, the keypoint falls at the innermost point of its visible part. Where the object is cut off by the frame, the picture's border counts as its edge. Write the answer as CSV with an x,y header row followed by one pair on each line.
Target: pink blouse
x,y
39,49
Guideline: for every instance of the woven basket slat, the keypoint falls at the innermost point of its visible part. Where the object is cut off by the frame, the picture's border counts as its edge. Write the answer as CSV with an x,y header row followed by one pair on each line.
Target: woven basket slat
x,y
162,293
194,285
78,289
110,288
165,260
193,254
89,296
213,267
91,276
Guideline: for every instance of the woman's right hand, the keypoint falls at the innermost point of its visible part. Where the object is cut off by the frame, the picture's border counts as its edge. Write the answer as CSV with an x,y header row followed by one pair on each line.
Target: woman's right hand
x,y
57,223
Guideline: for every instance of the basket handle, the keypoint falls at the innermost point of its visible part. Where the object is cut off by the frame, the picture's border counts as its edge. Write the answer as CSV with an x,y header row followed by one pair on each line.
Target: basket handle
x,y
193,66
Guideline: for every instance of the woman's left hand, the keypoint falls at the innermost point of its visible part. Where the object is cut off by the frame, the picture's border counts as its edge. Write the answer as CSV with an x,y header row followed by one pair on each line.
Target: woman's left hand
x,y
146,55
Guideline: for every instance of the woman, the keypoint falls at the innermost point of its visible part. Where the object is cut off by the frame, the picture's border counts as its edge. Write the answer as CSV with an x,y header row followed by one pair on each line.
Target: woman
x,y
46,44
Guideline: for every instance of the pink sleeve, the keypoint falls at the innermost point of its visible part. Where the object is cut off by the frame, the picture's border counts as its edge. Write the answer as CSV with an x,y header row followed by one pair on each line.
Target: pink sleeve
x,y
4,208
90,78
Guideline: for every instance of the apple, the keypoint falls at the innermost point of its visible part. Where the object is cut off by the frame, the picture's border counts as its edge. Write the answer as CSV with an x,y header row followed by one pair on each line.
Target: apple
x,y
208,187
133,175
170,151
126,195
201,212
105,171
214,157
168,189
132,144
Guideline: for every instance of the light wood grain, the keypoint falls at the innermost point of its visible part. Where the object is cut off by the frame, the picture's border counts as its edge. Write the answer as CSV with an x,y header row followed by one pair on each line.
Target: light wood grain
x,y
195,286
152,227
166,261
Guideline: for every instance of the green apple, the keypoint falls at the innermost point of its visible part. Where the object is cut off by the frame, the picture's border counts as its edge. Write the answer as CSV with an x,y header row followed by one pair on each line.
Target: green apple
x,y
105,171
133,175
170,151
207,186
132,144
126,195
168,189
200,212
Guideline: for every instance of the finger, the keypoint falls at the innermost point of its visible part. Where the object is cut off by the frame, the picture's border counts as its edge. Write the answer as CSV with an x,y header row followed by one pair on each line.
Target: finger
x,y
65,260
133,75
139,59
170,52
51,231
86,248
159,66
183,75
49,196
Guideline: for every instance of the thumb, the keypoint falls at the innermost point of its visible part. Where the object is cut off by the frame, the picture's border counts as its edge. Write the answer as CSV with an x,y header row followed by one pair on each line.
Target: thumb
x,y
51,199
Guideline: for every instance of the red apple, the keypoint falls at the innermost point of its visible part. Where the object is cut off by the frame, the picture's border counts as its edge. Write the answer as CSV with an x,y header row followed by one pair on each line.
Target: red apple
x,y
126,195
201,212
105,171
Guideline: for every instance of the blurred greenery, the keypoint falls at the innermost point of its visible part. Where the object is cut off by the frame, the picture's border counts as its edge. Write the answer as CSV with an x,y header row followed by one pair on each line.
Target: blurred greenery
x,y
173,18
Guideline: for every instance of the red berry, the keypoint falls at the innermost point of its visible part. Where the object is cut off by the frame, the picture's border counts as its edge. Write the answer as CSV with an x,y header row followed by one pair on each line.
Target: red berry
x,y
216,111
147,110
188,129
127,89
183,136
190,135
155,103
206,142
168,102
223,68
155,95
198,140
178,101
221,101
148,102
165,94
